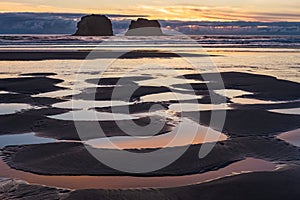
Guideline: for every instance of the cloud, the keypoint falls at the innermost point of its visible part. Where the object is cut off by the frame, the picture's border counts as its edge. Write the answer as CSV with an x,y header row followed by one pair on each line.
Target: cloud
x,y
213,13
216,10
7,6
37,23
234,28
51,23
65,23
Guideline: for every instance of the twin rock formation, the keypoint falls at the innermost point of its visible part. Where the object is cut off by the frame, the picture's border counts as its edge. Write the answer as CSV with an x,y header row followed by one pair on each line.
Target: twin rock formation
x,y
100,25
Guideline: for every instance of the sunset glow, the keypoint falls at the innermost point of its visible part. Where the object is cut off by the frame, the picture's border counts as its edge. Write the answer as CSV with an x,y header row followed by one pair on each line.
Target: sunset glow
x,y
216,10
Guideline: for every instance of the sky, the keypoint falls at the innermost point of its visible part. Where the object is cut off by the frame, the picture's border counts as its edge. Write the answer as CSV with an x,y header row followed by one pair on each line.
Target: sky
x,y
66,23
195,10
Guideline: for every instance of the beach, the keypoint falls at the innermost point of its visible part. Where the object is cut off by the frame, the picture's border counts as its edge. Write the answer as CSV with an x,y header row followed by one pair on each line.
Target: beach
x,y
242,99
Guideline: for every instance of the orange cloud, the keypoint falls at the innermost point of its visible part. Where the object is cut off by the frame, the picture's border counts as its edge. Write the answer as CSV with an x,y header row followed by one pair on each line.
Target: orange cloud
x,y
196,13
175,12
27,7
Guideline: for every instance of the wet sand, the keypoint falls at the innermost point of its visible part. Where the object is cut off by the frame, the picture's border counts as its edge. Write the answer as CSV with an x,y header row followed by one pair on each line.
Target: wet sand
x,y
260,185
18,189
135,108
119,92
252,130
130,80
277,185
43,158
254,122
292,137
36,121
30,85
128,182
81,55
264,87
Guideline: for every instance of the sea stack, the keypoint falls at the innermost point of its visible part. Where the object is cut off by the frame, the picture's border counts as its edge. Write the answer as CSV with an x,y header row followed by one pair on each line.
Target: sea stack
x,y
144,27
94,25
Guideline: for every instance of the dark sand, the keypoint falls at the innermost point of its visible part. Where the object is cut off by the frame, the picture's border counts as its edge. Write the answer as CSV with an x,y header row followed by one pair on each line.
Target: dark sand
x,y
130,182
80,55
264,87
36,121
119,92
254,122
130,80
136,108
15,189
267,106
38,74
28,99
44,158
276,185
30,85
252,129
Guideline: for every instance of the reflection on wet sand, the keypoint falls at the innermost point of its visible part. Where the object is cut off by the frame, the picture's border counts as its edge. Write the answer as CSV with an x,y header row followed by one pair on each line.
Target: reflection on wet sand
x,y
248,101
232,93
23,139
292,137
91,115
169,96
166,81
85,104
290,111
10,108
187,107
122,182
186,132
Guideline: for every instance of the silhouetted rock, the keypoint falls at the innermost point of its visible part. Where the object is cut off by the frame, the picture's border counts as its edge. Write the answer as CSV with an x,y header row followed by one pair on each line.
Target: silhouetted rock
x,y
144,27
94,25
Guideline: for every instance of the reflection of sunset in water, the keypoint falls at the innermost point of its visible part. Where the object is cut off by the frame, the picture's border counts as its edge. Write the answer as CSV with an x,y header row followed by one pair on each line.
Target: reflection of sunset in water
x,y
119,182
183,134
292,137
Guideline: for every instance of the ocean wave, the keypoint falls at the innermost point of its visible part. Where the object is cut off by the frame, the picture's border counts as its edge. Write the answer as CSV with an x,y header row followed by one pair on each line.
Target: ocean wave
x,y
206,41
